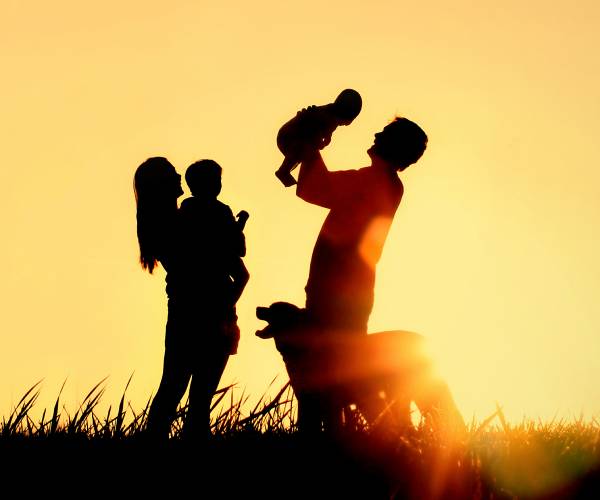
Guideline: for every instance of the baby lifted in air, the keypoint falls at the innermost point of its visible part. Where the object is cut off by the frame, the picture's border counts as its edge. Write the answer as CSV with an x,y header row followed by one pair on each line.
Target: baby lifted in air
x,y
311,129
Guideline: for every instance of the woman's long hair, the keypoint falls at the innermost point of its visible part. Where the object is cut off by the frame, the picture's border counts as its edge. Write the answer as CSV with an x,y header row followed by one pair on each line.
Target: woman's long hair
x,y
156,202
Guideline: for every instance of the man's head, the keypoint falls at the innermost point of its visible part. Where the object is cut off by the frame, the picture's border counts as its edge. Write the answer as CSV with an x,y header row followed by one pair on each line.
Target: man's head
x,y
401,143
204,178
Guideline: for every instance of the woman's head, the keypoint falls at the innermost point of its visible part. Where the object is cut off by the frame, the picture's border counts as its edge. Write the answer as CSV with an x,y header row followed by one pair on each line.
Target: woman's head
x,y
157,185
157,180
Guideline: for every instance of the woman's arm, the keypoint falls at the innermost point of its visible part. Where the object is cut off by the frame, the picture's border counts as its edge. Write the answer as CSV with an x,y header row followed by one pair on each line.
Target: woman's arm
x,y
240,276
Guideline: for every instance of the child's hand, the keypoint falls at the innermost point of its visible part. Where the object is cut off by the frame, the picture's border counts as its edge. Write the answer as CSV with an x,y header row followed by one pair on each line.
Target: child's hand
x,y
242,218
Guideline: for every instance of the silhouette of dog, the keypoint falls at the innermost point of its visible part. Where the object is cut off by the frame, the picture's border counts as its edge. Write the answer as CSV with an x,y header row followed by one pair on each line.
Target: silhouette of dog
x,y
379,374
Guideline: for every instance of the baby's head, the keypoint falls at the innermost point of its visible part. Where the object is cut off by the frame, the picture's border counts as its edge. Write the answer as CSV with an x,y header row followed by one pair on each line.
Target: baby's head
x,y
204,179
347,106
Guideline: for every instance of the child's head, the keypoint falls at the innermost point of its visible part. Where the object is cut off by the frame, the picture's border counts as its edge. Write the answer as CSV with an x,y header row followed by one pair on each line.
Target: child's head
x,y
347,106
400,143
204,179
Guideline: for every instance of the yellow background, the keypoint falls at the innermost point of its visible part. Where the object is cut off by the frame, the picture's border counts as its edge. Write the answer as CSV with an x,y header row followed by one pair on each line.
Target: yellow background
x,y
493,254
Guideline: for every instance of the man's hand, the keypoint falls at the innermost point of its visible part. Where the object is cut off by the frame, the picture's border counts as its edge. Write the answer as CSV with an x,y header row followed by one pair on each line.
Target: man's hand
x,y
307,110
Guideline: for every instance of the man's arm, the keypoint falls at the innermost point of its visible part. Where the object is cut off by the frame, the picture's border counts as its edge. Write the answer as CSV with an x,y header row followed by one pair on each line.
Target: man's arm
x,y
319,186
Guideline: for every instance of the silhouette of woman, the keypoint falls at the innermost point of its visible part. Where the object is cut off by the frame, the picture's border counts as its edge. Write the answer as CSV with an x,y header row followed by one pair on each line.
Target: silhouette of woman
x,y
200,319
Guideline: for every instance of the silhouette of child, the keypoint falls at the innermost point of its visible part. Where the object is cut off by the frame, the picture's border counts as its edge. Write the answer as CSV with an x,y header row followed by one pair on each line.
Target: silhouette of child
x,y
311,129
217,239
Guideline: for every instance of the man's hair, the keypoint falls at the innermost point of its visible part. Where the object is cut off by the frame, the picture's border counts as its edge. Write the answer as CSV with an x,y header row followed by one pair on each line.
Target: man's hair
x,y
200,175
401,143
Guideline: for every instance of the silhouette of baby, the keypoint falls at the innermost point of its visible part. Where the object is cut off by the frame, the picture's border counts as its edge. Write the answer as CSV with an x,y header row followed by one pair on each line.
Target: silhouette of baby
x,y
216,240
311,129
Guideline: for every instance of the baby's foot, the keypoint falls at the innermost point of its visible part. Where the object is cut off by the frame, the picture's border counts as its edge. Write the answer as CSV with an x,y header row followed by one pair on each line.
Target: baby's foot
x,y
286,178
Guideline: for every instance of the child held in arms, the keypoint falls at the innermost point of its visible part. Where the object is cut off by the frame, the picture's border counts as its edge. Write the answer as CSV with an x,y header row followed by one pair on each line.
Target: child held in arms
x,y
311,129
215,240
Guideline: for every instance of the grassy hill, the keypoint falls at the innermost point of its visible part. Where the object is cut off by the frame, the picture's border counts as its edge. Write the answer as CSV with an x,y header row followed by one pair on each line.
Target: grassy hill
x,y
262,455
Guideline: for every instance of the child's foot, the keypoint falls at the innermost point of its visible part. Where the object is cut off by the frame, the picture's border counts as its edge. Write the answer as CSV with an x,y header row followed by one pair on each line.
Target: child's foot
x,y
285,177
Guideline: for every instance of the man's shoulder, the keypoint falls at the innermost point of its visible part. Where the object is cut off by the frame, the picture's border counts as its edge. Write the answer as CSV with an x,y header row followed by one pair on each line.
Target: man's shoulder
x,y
361,175
348,181
386,183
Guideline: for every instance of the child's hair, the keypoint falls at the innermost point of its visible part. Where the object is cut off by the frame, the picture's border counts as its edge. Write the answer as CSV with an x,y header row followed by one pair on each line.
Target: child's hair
x,y
401,143
204,178
348,104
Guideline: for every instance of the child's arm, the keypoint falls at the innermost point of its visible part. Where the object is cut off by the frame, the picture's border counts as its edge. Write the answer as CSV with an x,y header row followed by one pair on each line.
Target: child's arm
x,y
242,218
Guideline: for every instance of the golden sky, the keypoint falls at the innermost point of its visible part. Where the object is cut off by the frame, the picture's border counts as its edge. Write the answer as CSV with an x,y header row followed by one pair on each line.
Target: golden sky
x,y
493,254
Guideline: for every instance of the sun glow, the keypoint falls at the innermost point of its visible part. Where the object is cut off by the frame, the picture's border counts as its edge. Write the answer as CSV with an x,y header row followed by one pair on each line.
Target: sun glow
x,y
493,253
373,239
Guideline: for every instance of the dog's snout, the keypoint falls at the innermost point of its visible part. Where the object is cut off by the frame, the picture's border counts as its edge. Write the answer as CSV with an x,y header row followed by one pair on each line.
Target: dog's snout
x,y
262,313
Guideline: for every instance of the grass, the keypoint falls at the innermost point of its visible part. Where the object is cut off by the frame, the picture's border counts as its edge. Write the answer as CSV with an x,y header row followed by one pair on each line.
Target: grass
x,y
261,453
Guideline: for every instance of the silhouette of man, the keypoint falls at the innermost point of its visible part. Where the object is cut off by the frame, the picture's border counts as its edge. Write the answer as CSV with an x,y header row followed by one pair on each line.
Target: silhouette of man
x,y
362,204
340,289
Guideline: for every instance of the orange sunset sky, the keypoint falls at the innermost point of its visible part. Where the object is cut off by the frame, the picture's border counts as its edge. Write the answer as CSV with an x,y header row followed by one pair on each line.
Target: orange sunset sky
x,y
493,254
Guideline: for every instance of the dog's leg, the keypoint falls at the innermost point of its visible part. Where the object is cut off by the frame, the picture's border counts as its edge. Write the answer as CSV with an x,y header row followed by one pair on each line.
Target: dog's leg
x,y
385,404
332,410
309,412
436,403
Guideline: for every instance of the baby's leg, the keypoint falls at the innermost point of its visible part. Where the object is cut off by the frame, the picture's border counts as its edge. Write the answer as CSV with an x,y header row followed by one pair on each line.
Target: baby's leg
x,y
283,173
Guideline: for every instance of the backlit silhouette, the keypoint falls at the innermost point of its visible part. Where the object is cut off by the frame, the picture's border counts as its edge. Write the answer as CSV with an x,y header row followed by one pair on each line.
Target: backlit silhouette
x,y
200,246
362,204
340,288
380,373
312,130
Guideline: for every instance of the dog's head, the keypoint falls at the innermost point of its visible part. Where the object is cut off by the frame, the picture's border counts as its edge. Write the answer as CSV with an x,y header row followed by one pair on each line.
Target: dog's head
x,y
281,317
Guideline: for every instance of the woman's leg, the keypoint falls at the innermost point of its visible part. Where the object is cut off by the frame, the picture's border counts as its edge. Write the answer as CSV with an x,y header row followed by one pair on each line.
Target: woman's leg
x,y
177,371
205,382
174,381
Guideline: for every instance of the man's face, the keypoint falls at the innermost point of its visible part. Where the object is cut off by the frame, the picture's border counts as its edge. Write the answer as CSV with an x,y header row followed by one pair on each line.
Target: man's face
x,y
377,142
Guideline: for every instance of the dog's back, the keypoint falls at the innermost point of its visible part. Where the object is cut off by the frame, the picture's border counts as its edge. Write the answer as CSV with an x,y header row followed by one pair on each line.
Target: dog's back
x,y
377,371
316,362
